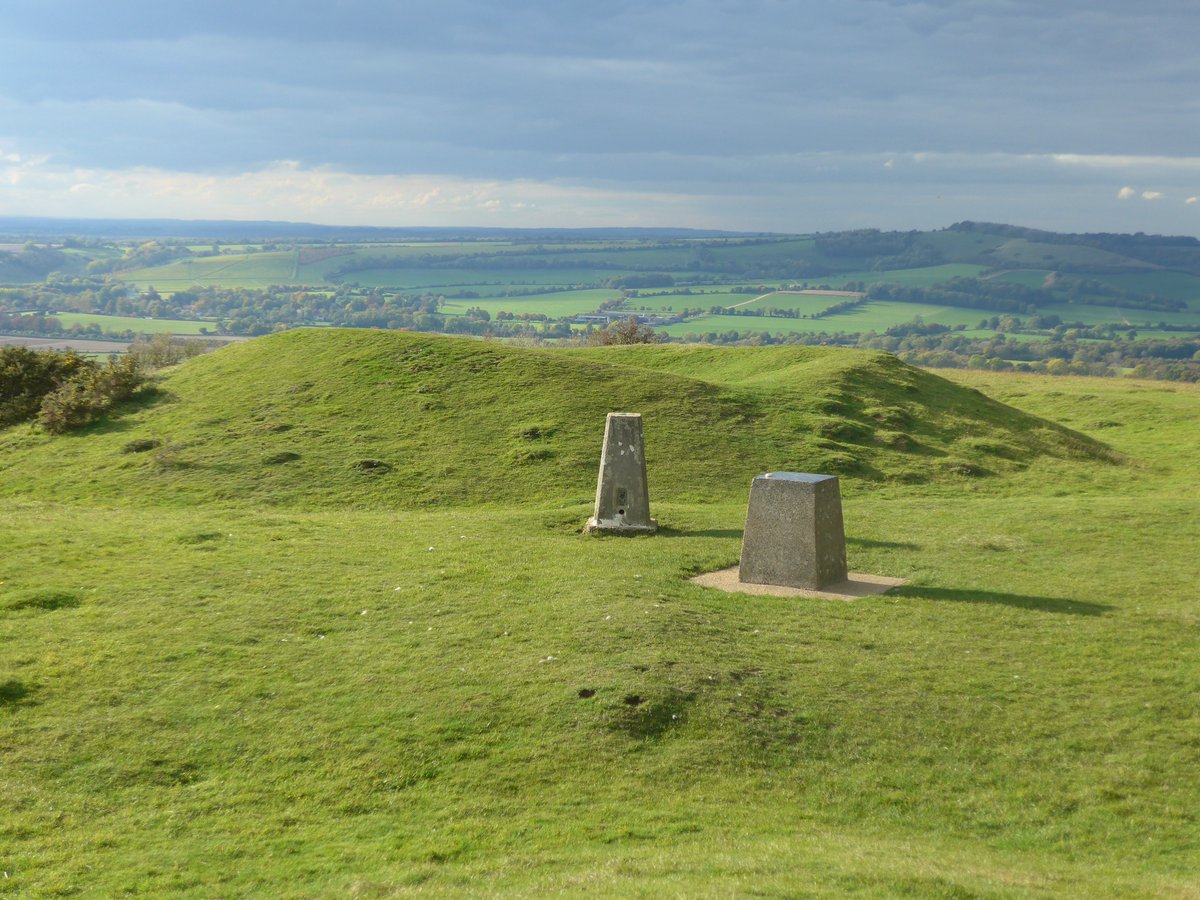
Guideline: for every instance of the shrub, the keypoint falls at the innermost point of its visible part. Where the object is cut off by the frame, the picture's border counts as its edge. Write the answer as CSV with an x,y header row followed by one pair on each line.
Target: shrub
x,y
26,376
625,331
88,395
70,406
166,350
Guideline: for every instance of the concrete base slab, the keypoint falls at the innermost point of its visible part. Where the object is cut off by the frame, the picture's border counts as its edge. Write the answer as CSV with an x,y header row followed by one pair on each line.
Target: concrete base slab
x,y
856,585
594,527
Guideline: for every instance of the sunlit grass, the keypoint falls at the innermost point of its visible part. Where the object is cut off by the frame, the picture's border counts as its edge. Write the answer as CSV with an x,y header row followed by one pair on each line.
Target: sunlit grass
x,y
203,694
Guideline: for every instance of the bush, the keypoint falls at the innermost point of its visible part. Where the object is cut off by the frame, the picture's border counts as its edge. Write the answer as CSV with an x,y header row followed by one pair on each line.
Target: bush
x,y
166,350
26,376
626,331
70,406
88,395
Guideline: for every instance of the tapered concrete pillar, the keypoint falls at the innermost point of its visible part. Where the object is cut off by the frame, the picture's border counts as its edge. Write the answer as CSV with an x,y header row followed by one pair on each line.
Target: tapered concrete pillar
x,y
622,498
794,535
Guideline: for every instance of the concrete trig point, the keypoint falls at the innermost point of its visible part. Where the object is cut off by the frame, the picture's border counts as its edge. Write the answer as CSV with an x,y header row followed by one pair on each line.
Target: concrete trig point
x,y
794,534
622,498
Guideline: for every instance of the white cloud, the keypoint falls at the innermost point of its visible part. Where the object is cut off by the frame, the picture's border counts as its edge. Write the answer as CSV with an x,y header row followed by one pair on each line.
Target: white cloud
x,y
287,190
1152,195
1191,200
1126,193
1109,161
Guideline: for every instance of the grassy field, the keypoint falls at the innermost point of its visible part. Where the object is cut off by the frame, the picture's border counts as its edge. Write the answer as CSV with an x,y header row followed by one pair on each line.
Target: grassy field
x,y
1022,252
805,303
1031,278
1098,315
925,276
484,281
556,304
874,315
699,297
135,324
251,270
1170,285
240,663
1173,285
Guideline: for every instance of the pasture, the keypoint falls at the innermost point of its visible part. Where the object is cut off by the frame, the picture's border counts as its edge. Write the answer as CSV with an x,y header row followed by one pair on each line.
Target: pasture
x,y
924,276
554,305
874,315
251,270
136,324
419,676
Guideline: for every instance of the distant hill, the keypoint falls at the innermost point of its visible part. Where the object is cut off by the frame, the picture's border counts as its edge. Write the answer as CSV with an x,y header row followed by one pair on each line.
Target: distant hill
x,y
26,227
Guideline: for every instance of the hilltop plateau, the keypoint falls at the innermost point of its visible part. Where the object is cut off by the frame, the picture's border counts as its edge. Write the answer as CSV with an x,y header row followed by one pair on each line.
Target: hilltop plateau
x,y
313,616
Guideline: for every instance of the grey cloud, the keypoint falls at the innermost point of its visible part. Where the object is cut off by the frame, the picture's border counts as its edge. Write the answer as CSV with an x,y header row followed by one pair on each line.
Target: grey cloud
x,y
688,92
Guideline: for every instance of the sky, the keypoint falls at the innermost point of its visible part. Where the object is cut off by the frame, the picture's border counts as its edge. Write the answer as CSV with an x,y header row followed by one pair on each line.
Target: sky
x,y
757,115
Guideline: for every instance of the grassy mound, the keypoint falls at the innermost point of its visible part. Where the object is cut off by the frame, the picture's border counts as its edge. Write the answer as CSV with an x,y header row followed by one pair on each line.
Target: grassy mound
x,y
387,419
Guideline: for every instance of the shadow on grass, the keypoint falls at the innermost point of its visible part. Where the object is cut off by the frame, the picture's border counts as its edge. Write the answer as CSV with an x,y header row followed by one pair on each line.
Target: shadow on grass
x,y
1021,601
892,545
664,531
12,693
117,417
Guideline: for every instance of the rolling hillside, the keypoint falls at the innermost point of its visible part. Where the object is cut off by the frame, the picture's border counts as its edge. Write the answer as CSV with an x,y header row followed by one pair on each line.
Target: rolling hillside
x,y
319,417
236,661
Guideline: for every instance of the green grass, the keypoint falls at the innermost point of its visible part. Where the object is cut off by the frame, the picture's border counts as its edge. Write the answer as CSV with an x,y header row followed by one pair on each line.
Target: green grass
x,y
482,280
554,305
874,315
925,276
960,244
806,303
1031,278
216,679
699,297
988,334
250,270
1172,285
1072,257
135,324
429,408
1100,315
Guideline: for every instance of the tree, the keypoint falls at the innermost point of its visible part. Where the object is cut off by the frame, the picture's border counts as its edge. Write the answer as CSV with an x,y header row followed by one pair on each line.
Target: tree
x,y
625,331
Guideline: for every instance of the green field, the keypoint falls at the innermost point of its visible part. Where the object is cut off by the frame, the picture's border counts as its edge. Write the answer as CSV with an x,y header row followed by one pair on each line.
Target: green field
x,y
1030,278
1098,315
138,325
926,276
554,305
1169,285
1172,285
484,281
807,304
1021,252
251,270
988,333
874,315
699,297
240,663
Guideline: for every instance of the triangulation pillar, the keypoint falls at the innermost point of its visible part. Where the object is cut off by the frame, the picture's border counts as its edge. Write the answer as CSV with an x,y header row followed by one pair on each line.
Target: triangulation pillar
x,y
622,498
794,535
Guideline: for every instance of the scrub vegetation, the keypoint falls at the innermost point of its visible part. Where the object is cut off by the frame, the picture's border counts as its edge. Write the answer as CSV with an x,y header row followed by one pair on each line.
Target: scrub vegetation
x,y
318,618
